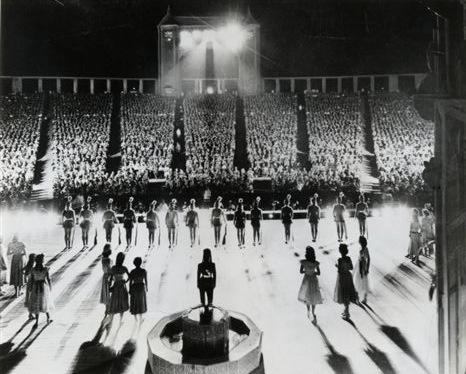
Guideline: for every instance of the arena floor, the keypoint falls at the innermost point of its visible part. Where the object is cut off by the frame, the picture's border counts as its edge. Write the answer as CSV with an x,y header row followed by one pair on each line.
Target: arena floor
x,y
395,333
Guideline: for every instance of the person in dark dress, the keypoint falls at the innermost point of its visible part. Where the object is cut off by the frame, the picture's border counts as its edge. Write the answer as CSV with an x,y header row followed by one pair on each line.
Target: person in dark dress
x,y
152,223
362,211
118,292
129,220
109,218
256,218
86,221
217,219
68,220
345,293
239,220
287,217
206,278
339,217
171,221
138,289
17,251
192,221
313,215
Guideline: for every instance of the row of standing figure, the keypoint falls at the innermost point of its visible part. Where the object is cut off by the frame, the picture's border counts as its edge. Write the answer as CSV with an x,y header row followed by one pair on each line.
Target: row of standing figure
x,y
349,288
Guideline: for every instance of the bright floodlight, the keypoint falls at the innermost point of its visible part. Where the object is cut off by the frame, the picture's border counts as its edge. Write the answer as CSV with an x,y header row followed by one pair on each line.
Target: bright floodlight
x,y
197,36
232,36
186,39
210,90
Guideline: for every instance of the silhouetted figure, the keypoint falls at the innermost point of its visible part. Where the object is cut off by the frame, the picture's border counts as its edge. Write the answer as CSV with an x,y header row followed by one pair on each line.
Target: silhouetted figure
x,y
152,223
138,289
129,220
313,215
17,250
171,221
362,212
118,292
109,218
192,221
217,219
256,219
40,301
287,217
206,278
344,287
339,217
239,220
86,221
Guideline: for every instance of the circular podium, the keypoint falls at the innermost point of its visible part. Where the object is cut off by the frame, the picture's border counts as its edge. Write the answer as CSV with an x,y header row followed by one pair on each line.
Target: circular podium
x,y
205,341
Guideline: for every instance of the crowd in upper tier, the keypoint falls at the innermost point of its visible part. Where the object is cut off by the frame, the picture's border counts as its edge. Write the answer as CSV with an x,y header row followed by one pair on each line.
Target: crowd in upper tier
x,y
146,141
335,131
20,121
80,134
271,128
81,131
402,142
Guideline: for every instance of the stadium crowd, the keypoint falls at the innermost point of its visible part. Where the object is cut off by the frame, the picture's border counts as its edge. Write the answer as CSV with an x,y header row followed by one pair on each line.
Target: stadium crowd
x,y
402,142
81,129
335,131
20,120
146,141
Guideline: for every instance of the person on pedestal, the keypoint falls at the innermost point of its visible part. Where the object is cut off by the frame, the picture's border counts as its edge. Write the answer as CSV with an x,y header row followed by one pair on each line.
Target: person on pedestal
x,y
109,218
206,278
217,219
86,221
362,211
313,215
171,221
68,220
339,217
192,221
287,217
129,220
152,223
239,220
256,218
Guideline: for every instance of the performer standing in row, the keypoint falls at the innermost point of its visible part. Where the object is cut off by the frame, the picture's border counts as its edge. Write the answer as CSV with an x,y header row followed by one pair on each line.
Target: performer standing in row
x,y
68,221
427,231
414,237
239,220
109,218
343,202
339,217
171,221
192,221
217,219
86,221
256,218
313,215
362,211
152,223
287,217
129,219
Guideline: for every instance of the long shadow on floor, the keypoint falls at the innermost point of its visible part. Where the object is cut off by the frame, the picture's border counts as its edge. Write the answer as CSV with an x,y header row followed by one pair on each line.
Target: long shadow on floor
x,y
94,357
394,334
5,348
339,363
14,358
377,356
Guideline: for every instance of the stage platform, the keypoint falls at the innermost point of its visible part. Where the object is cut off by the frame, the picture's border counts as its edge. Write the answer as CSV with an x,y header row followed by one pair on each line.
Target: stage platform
x,y
395,333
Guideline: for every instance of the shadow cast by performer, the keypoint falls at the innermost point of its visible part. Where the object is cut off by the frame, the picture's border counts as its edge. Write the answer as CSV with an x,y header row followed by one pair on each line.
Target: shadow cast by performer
x,y
339,363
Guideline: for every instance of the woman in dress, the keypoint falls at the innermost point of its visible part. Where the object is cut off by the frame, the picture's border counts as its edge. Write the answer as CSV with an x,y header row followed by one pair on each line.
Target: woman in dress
x,y
152,223
217,219
119,294
239,220
192,221
28,278
3,266
17,250
361,272
414,237
345,292
309,292
256,218
138,289
427,231
106,267
39,301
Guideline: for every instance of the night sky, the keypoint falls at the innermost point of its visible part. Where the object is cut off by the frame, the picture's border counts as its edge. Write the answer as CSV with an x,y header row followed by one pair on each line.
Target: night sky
x,y
298,37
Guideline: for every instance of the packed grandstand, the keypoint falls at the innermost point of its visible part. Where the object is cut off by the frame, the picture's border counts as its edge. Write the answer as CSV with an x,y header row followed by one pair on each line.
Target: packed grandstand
x,y
81,126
